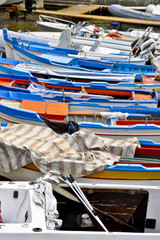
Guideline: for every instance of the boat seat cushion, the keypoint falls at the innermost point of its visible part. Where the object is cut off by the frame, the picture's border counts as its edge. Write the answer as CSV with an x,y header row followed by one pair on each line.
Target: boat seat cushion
x,y
50,110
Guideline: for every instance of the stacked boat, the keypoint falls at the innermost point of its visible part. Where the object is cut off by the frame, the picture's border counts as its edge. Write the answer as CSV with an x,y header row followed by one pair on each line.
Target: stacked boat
x,y
74,116
113,97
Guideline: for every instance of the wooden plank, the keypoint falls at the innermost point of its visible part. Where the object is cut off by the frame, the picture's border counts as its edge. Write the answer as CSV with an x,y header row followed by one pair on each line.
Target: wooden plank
x,y
83,8
80,9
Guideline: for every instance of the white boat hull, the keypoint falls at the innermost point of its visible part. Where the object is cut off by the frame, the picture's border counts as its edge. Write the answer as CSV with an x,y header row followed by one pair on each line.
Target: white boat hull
x,y
35,227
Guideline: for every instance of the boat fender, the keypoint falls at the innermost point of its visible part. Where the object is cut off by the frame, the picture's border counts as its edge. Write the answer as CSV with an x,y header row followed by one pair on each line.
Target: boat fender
x,y
95,29
113,34
150,8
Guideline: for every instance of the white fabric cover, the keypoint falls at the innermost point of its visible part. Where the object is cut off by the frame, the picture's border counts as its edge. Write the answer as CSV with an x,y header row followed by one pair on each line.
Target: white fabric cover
x,y
44,197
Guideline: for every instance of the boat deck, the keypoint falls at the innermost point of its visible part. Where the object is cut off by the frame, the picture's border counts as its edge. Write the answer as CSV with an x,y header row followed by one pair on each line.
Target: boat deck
x,y
81,10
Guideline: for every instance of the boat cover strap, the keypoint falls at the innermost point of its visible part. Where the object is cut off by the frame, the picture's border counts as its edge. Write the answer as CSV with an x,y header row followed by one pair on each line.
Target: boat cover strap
x,y
81,153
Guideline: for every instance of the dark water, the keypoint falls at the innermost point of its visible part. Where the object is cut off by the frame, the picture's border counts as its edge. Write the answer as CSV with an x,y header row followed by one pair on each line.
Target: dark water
x,y
22,23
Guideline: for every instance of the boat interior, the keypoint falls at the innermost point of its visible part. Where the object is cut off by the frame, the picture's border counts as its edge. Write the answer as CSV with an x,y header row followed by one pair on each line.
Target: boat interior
x,y
126,214
119,209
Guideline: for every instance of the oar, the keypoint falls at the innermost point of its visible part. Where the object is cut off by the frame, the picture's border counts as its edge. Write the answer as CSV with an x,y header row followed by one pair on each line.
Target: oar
x,y
76,189
65,193
72,197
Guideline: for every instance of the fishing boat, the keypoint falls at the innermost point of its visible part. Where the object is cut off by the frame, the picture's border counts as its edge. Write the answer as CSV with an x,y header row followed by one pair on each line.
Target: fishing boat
x,y
125,12
65,40
68,40
117,72
148,83
92,47
39,49
122,129
109,96
86,156
141,82
22,108
113,220
29,69
51,38
31,112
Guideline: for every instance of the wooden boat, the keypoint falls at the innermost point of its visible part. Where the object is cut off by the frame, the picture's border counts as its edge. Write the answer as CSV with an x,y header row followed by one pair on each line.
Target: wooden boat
x,y
84,44
39,50
125,169
55,39
66,40
125,12
121,168
135,170
10,66
89,109
31,112
107,161
105,124
123,129
22,68
140,206
109,96
141,82
144,83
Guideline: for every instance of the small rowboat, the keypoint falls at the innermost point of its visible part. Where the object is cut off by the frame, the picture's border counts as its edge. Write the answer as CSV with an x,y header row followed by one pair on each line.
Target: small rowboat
x,y
31,167
138,169
55,59
31,112
107,96
22,68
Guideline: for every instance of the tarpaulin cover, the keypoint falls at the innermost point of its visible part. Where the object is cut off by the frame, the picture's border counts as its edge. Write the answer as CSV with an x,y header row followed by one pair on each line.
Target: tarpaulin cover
x,y
80,154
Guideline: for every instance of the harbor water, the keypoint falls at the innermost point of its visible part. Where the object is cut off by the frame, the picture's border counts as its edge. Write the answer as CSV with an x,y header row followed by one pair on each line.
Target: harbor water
x,y
29,23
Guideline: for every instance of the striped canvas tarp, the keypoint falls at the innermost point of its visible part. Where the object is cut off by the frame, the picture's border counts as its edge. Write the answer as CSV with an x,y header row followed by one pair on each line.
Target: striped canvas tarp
x,y
80,154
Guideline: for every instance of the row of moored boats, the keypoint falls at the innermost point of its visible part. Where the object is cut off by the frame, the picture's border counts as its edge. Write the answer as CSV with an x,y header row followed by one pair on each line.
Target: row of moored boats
x,y
79,109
